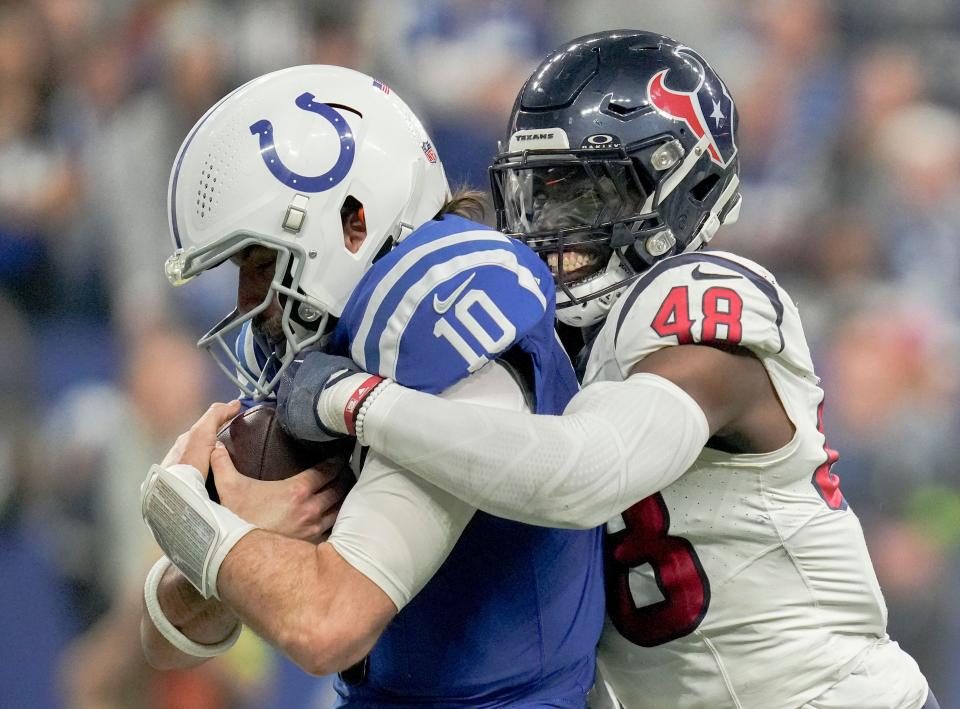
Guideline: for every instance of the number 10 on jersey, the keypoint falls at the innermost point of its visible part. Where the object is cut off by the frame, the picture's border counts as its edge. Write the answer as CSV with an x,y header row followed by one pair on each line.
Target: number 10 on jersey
x,y
462,314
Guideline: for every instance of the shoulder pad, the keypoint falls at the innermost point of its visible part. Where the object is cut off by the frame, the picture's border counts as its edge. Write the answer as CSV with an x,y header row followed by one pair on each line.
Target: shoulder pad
x,y
451,297
703,297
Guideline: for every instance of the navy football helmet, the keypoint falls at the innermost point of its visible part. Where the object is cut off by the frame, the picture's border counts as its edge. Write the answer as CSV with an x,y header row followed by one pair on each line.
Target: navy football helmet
x,y
621,151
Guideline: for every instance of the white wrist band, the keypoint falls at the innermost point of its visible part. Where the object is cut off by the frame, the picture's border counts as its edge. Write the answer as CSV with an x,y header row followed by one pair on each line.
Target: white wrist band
x,y
167,629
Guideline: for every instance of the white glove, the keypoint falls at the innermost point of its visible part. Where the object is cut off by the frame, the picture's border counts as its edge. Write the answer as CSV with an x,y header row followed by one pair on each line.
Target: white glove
x,y
194,532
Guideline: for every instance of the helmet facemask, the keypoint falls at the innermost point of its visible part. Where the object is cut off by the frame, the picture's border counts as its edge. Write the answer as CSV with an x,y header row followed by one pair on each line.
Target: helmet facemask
x,y
588,213
256,361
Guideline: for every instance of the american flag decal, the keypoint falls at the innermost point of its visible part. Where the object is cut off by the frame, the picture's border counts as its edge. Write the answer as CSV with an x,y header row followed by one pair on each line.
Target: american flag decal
x,y
429,151
380,85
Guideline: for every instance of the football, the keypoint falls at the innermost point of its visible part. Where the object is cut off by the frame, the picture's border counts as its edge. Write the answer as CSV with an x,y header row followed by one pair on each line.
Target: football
x,y
261,449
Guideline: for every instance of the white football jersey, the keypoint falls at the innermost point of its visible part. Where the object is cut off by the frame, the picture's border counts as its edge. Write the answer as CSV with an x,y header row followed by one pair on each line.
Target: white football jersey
x,y
746,583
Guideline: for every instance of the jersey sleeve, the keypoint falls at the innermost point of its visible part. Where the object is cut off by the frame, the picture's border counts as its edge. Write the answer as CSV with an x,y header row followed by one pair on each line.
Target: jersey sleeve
x,y
441,307
709,298
395,527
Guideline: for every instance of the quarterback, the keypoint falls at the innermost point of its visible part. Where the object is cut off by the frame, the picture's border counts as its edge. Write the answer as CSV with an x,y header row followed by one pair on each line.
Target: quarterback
x,y
325,190
737,574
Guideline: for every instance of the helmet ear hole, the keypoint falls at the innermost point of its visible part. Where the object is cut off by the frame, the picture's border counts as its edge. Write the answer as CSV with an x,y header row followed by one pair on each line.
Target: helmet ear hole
x,y
354,223
703,188
351,205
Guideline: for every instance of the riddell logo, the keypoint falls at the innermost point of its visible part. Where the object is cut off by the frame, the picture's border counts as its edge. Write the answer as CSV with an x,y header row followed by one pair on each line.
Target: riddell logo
x,y
534,136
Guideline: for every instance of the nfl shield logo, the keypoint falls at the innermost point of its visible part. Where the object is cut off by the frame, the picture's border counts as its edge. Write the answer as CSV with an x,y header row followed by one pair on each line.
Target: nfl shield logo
x,y
429,151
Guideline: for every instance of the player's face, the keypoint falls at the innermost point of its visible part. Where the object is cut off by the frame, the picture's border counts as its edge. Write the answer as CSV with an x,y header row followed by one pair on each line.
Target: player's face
x,y
258,266
575,198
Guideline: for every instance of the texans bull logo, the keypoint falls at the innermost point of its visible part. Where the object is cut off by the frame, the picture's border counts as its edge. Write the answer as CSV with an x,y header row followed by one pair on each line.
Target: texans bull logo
x,y
707,110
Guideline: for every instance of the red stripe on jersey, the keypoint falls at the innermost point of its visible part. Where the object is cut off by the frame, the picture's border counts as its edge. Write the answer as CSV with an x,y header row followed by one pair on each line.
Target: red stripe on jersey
x,y
827,482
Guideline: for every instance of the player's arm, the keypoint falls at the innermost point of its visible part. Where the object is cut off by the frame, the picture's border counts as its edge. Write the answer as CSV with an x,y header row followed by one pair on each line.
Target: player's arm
x,y
616,443
731,387
299,507
179,627
325,606
206,622
305,599
303,507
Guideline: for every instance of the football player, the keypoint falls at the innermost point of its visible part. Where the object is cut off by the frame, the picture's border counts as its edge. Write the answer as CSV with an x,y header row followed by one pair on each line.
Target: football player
x,y
315,179
737,573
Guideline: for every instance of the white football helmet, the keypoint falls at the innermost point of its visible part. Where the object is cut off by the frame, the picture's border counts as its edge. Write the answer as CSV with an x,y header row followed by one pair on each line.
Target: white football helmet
x,y
271,164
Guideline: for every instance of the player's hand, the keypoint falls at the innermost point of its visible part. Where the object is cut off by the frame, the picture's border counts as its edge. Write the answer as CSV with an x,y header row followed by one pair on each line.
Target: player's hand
x,y
319,396
195,446
304,506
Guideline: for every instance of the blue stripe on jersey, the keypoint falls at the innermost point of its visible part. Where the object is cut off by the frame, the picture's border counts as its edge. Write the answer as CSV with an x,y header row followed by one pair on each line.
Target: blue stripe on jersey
x,y
762,284
400,321
247,342
371,346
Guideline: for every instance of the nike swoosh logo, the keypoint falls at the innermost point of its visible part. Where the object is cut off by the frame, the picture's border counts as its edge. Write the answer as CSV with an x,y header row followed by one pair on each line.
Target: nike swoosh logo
x,y
442,306
699,275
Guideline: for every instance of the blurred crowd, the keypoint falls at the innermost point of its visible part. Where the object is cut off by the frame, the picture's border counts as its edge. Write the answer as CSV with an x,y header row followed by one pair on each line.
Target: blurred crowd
x,y
850,151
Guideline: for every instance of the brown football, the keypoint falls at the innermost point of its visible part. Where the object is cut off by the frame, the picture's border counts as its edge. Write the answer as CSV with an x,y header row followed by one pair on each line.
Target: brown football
x,y
261,449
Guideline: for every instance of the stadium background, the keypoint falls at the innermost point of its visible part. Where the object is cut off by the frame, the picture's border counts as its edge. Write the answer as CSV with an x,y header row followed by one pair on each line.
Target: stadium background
x,y
850,144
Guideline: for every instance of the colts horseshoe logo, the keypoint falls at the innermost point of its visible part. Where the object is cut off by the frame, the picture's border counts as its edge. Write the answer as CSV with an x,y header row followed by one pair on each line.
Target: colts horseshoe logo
x,y
305,183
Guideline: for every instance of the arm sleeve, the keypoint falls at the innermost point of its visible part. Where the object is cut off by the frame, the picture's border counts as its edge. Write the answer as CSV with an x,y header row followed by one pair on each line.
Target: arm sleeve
x,y
396,528
616,443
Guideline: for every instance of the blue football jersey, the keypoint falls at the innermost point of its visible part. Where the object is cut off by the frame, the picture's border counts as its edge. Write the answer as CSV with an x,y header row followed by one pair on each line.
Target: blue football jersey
x,y
513,615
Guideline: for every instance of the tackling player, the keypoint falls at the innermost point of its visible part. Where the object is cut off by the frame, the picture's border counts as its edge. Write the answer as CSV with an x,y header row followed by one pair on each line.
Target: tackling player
x,y
737,574
313,179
